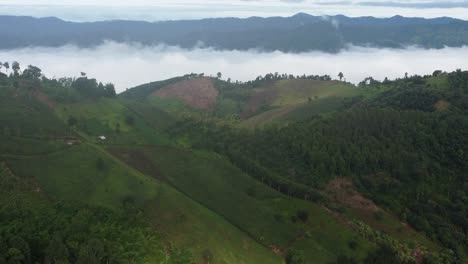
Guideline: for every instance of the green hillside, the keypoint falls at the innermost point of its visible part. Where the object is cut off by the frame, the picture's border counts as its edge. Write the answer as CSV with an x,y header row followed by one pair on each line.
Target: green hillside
x,y
332,172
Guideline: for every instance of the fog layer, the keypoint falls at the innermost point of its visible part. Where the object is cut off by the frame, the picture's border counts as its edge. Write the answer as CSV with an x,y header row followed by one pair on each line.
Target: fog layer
x,y
129,65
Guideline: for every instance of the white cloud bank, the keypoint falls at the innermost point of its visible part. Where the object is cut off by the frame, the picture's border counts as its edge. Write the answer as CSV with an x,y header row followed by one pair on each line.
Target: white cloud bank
x,y
129,65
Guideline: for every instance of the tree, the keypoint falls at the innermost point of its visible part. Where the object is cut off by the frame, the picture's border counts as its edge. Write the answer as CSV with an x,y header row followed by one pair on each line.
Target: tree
x,y
109,90
32,72
72,121
219,74
340,75
16,67
57,251
7,66
92,253
295,257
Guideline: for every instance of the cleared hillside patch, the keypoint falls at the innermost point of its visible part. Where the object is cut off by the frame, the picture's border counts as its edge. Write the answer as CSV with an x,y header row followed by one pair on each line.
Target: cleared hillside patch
x,y
342,192
199,93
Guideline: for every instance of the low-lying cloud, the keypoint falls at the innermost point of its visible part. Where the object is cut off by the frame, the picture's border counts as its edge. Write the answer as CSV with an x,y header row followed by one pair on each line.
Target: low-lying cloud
x,y
128,65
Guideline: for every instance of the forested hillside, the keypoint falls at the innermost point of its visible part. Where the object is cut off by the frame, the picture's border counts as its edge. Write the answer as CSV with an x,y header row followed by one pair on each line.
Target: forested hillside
x,y
194,169
403,144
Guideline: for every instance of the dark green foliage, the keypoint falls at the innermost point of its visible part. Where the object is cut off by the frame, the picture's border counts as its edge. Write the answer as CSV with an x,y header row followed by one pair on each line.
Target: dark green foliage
x,y
458,80
100,166
32,72
295,256
68,234
383,255
129,120
72,121
396,147
345,260
181,256
208,256
303,215
91,88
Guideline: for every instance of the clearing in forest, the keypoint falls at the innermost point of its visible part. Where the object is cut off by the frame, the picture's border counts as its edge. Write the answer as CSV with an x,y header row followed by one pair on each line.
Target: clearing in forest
x,y
198,93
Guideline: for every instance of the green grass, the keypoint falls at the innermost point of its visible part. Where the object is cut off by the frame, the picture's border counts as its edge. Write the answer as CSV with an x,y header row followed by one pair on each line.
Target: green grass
x,y
299,91
296,112
168,104
191,225
73,175
108,117
299,99
29,146
263,213
21,114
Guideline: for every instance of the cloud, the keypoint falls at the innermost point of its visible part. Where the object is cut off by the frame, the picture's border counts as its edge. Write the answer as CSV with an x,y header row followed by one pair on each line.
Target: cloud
x,y
152,10
136,64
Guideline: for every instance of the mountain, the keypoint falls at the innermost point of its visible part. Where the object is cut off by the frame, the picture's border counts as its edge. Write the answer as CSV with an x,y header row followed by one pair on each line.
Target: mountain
x,y
299,33
194,169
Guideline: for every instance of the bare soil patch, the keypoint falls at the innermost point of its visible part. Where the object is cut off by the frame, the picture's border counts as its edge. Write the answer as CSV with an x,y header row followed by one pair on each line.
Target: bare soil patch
x,y
441,105
43,98
196,92
341,190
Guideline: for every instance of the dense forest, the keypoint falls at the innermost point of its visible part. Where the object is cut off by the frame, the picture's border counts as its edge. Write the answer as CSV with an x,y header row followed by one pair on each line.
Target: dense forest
x,y
399,148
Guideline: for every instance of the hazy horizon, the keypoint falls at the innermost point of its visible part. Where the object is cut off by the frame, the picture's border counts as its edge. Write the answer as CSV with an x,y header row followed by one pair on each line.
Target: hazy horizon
x,y
87,10
136,64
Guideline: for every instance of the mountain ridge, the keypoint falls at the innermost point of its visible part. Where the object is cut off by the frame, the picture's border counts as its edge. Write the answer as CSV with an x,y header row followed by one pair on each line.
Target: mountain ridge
x,y
299,33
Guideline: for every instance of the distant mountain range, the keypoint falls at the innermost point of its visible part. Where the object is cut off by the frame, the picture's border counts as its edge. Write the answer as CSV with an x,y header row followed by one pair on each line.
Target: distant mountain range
x,y
299,33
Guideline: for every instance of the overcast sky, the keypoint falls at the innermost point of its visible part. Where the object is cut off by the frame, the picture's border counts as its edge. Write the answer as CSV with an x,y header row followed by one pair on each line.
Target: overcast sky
x,y
153,10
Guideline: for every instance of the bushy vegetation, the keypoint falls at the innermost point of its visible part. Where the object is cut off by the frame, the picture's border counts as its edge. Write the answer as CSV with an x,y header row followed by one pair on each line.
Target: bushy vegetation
x,y
218,187
398,149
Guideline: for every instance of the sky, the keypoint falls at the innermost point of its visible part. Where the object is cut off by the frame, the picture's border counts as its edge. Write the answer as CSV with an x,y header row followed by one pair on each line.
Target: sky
x,y
155,10
136,64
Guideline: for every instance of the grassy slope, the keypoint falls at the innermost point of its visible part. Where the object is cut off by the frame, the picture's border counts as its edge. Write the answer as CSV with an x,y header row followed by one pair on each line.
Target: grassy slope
x,y
101,117
258,210
73,175
299,99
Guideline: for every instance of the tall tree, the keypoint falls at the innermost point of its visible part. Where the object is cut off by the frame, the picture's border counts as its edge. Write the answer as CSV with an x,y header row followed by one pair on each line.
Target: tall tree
x,y
16,67
340,75
32,72
7,66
